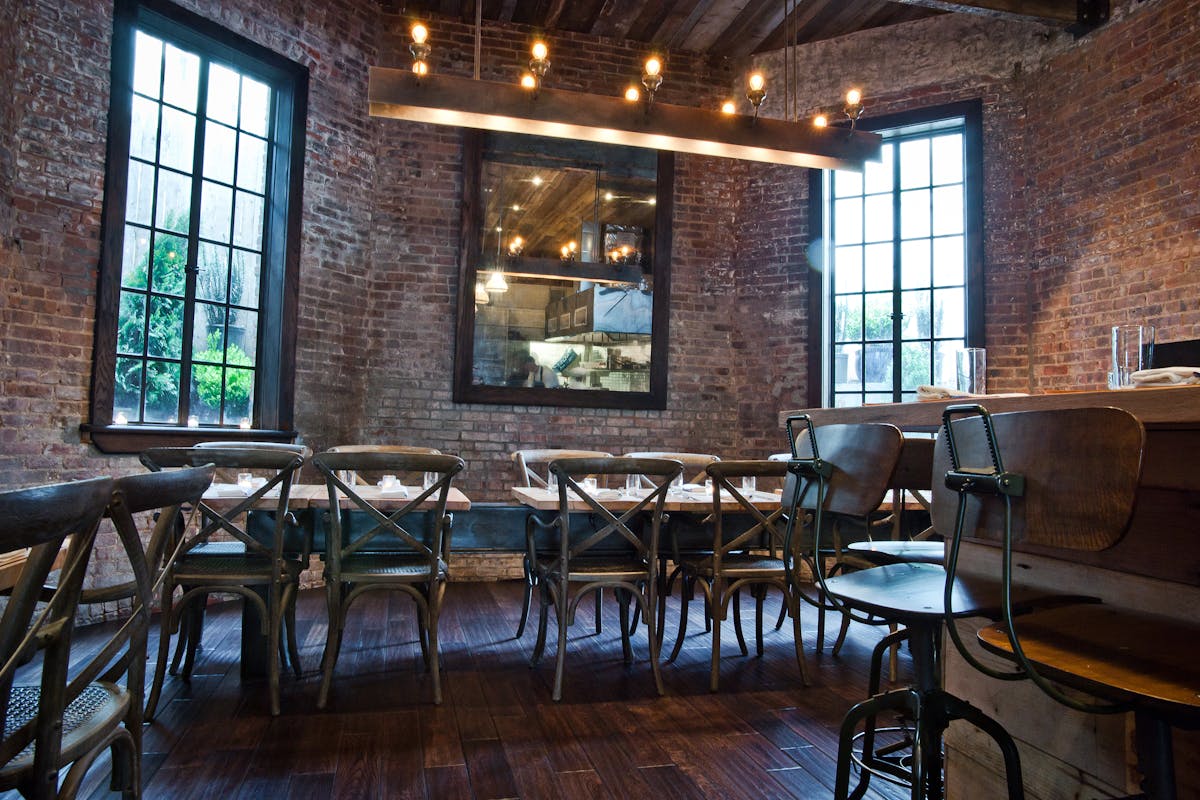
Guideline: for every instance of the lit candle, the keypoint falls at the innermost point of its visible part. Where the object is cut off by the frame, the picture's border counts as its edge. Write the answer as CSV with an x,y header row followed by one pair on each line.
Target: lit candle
x,y
121,418
193,421
244,424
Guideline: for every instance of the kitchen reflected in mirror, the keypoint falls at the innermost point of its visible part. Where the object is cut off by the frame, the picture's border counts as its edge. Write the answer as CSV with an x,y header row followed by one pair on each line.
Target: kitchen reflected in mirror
x,y
570,243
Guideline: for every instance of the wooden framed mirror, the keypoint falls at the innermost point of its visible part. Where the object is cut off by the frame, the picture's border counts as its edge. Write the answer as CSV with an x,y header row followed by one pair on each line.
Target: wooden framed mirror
x,y
564,277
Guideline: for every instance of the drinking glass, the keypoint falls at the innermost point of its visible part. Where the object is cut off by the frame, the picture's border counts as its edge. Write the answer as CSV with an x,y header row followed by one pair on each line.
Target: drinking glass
x,y
387,483
589,485
245,481
677,484
429,479
749,483
632,483
972,370
1132,349
551,482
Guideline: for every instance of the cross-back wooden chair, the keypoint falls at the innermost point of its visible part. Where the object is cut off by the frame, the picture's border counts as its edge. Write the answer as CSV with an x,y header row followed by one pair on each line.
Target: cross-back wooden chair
x,y
621,554
756,556
404,549
225,553
1060,483
49,723
532,467
693,463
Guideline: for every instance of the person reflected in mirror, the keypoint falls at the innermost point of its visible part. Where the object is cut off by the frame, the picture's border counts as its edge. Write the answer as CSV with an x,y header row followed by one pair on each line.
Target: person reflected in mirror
x,y
531,373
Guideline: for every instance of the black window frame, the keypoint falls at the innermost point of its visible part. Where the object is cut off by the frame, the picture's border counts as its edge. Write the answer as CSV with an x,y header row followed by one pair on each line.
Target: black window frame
x,y
279,282
820,345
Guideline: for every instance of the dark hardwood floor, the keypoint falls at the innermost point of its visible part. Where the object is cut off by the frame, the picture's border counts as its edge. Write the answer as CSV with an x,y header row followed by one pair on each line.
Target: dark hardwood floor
x,y
498,734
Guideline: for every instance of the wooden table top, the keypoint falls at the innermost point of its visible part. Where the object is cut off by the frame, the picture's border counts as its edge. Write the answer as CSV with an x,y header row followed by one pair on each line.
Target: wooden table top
x,y
315,495
616,500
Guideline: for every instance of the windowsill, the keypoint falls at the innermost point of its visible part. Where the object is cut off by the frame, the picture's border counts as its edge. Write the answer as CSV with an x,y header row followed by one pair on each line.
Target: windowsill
x,y
117,439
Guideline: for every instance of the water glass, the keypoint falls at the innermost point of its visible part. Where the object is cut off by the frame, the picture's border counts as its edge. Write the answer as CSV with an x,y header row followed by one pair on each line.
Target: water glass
x,y
589,485
677,484
1132,349
551,482
972,370
429,479
388,483
749,483
245,481
632,483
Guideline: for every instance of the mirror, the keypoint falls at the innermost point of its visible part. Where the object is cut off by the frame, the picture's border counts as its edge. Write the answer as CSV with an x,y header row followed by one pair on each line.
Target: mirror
x,y
565,273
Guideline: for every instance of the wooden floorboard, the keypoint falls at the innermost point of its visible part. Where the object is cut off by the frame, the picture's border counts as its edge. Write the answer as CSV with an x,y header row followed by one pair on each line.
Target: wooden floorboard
x,y
498,734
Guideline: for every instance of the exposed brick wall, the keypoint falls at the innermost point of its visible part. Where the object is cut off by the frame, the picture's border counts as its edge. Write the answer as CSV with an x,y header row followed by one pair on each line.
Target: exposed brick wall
x,y
1091,206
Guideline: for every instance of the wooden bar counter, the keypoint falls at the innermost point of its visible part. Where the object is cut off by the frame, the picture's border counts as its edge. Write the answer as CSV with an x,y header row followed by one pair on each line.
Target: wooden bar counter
x,y
1155,568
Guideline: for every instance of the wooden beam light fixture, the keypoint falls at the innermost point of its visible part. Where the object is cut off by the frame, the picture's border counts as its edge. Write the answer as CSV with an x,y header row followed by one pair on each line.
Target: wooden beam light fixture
x,y
419,96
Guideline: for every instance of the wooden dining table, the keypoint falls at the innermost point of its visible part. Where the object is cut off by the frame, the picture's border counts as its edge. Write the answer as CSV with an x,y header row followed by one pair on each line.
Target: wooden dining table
x,y
618,500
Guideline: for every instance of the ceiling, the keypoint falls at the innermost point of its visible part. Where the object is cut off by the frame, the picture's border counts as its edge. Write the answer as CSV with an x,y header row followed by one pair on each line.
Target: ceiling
x,y
728,27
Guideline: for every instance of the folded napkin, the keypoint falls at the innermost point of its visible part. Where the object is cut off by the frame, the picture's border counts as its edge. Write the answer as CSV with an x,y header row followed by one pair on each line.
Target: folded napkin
x,y
1166,376
926,392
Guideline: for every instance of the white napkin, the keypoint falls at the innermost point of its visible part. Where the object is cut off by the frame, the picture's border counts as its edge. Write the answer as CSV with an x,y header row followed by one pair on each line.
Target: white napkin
x,y
927,392
1166,376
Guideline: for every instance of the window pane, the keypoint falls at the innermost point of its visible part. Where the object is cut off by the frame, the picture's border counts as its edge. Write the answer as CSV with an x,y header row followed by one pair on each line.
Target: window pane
x,y
848,268
239,395
216,211
252,163
139,200
847,218
915,324
914,163
944,366
847,367
181,78
131,323
162,392
950,313
208,334
179,140
878,214
127,393
847,318
877,368
143,132
878,322
135,257
174,202
166,328
949,261
947,159
877,177
248,221
256,103
847,183
877,260
147,64
847,400
914,264
241,338
170,259
222,94
914,213
244,285
213,265
948,210
218,152
914,365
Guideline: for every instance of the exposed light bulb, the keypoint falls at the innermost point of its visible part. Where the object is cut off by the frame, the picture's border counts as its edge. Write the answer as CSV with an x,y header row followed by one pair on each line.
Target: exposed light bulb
x,y
653,66
728,107
757,82
853,97
420,68
496,282
632,94
540,51
528,81
821,121
419,33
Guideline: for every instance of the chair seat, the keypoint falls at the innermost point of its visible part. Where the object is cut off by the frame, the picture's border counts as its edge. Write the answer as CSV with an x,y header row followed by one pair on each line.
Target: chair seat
x,y
914,593
97,710
738,566
384,565
900,552
601,567
1113,653
213,568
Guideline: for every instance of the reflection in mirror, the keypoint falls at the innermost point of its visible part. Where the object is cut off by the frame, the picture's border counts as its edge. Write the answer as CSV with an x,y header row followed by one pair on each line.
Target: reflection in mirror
x,y
566,264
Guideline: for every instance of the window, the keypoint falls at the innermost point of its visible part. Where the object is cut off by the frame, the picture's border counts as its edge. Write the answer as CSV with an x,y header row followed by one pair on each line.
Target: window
x,y
904,288
196,320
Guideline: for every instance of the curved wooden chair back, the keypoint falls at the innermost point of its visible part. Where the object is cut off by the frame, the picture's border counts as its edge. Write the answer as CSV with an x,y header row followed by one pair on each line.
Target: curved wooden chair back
x,y
693,463
727,481
1081,469
863,457
40,519
383,448
527,463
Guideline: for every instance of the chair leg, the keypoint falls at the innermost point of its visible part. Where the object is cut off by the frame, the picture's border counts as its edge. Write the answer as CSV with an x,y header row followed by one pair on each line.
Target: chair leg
x,y
435,609
526,596
783,610
759,593
714,670
164,651
652,639
333,639
293,644
902,700
842,631
539,646
623,600
1155,756
599,609
684,599
194,623
274,626
960,709
794,602
737,621
560,608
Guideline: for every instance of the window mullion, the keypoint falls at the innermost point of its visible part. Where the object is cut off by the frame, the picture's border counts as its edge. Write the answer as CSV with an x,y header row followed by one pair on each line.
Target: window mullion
x,y
191,268
897,293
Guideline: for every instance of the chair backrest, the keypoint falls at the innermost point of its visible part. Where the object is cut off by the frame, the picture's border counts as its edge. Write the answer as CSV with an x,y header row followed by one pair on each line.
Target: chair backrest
x,y
285,446
693,463
863,457
382,448
532,465
767,528
278,466
41,518
1080,469
610,527
392,530
914,469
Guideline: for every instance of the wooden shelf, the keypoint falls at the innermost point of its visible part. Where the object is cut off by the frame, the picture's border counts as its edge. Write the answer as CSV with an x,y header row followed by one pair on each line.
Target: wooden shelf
x,y
557,269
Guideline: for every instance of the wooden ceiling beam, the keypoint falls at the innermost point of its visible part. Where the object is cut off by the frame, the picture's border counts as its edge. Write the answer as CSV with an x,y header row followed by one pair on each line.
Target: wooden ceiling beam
x,y
1058,12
